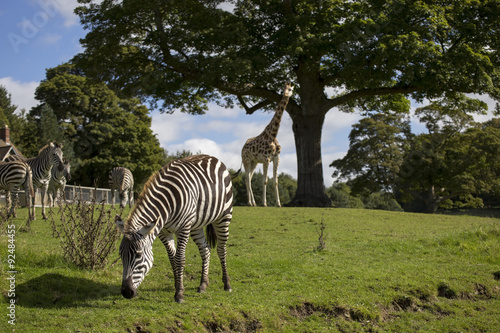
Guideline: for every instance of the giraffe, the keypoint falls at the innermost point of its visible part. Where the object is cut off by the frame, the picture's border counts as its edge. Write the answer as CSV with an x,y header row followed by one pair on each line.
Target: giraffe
x,y
264,148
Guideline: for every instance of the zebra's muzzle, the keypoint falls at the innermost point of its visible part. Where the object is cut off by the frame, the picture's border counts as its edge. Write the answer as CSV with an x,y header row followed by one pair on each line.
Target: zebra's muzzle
x,y
128,290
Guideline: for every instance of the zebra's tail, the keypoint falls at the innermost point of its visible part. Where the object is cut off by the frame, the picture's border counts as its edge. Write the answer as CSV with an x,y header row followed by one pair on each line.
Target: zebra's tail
x,y
211,236
237,173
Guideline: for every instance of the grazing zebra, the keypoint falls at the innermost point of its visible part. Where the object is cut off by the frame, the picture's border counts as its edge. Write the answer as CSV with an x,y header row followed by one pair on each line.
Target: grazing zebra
x,y
182,198
121,179
13,175
50,155
58,181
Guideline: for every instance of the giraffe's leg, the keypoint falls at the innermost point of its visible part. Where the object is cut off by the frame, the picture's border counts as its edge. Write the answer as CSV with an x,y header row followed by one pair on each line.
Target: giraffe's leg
x,y
169,241
249,170
276,162
265,167
180,261
199,238
222,231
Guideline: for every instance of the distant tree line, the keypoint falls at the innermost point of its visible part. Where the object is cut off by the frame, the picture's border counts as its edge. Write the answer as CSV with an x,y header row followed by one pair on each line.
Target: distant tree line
x,y
455,164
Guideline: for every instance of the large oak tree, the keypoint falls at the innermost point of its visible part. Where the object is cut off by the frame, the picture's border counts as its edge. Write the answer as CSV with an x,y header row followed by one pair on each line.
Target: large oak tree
x,y
337,53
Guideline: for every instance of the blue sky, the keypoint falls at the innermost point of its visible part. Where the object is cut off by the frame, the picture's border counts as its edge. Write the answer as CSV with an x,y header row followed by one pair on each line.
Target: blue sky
x,y
41,34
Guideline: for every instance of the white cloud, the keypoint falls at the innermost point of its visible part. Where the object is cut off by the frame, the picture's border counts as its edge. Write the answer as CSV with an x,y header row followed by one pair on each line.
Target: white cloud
x,y
23,93
49,39
64,7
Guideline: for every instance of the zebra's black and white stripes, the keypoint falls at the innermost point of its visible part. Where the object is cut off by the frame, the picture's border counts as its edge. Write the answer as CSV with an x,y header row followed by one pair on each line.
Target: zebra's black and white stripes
x,y
49,156
58,181
14,175
121,179
181,199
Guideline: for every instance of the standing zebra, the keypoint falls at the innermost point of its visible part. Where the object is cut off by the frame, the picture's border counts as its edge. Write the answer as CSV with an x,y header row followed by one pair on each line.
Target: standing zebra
x,y
58,181
49,156
13,175
121,179
182,198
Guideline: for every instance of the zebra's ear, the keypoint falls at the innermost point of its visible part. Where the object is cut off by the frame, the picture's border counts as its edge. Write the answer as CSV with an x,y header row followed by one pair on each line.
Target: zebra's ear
x,y
147,229
120,224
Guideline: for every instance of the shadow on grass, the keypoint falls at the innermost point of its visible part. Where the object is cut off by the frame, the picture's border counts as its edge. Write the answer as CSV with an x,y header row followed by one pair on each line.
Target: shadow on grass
x,y
58,291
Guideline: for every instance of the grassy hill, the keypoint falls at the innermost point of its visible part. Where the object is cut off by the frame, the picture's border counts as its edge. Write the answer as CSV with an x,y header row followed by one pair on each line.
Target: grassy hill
x,y
378,272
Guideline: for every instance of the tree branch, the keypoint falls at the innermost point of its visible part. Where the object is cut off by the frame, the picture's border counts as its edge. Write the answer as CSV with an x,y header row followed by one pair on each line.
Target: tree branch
x,y
251,110
370,92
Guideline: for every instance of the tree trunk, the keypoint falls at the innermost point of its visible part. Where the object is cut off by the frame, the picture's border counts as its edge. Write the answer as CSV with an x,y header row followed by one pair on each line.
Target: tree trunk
x,y
310,183
431,201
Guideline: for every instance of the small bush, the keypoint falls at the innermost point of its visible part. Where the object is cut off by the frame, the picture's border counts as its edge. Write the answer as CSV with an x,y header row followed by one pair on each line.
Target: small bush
x,y
87,232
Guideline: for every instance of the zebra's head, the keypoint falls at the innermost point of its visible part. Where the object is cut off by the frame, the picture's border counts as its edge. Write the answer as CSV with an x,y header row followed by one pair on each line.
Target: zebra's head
x,y
67,170
136,251
57,155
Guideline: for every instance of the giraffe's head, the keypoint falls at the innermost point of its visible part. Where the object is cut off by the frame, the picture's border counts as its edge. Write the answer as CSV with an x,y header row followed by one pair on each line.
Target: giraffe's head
x,y
288,89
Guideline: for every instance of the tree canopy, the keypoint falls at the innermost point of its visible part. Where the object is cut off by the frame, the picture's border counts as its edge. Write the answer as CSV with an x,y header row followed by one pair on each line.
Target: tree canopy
x,y
345,54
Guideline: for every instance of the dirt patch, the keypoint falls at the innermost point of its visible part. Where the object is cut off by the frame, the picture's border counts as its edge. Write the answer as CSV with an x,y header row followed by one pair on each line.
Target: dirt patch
x,y
405,303
137,329
446,291
244,324
306,309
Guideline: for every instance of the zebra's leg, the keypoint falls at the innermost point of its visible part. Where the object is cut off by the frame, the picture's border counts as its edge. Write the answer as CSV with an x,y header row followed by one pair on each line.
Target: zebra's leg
x,y
199,238
265,167
180,261
43,190
33,203
50,197
8,201
169,241
130,198
28,200
123,198
276,162
222,232
15,197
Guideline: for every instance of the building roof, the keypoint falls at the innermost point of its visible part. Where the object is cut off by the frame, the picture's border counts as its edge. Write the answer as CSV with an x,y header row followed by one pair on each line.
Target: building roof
x,y
6,147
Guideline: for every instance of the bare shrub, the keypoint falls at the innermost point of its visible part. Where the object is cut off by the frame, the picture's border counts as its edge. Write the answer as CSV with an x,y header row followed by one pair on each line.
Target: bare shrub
x,y
87,232
321,236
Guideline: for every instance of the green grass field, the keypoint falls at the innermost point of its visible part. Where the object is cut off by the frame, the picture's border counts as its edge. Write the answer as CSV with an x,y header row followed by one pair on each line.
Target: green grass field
x,y
380,272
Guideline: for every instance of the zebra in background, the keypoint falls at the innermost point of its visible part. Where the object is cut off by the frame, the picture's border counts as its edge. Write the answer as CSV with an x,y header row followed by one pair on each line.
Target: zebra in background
x,y
49,156
14,175
181,199
121,179
58,181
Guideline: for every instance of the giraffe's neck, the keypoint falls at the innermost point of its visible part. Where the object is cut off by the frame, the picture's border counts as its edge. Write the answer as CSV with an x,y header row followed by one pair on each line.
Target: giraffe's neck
x,y
273,127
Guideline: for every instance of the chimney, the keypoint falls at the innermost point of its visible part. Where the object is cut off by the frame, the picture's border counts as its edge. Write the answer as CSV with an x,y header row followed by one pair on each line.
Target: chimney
x,y
5,134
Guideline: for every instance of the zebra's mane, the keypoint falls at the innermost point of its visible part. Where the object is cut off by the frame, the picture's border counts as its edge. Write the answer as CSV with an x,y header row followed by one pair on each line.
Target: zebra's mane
x,y
140,200
47,146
